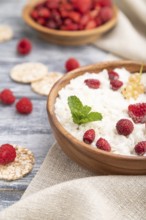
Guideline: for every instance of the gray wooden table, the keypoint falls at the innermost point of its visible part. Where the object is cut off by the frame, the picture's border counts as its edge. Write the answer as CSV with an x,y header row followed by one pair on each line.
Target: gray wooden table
x,y
32,131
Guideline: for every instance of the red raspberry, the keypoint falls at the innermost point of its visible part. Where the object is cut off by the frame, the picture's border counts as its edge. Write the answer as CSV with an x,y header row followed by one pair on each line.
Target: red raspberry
x,y
44,13
103,3
92,83
34,14
24,106
7,154
113,75
71,64
140,148
89,136
106,14
82,6
7,97
124,127
103,144
90,25
24,46
137,112
116,84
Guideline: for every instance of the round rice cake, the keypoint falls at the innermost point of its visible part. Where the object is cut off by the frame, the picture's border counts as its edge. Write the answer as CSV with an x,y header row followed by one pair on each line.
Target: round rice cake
x,y
21,166
28,72
44,85
6,33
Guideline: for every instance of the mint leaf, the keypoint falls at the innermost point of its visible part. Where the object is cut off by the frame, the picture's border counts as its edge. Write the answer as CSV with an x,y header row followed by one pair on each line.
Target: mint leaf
x,y
82,114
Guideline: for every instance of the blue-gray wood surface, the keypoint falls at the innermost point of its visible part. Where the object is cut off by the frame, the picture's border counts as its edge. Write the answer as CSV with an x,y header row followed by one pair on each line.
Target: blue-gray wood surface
x,y
32,131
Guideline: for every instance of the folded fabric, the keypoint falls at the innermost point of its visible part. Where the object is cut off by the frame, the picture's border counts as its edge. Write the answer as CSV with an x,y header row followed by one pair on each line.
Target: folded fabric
x,y
90,198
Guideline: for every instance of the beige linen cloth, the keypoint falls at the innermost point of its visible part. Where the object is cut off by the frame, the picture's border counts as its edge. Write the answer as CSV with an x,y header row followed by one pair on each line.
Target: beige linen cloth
x,y
62,190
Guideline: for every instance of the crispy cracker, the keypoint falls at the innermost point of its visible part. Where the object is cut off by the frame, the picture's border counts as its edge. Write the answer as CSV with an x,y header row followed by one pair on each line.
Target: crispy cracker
x,y
28,72
6,33
44,85
22,165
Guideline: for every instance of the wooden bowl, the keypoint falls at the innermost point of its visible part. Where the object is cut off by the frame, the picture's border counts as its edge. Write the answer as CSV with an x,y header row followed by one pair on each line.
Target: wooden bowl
x,y
71,38
85,155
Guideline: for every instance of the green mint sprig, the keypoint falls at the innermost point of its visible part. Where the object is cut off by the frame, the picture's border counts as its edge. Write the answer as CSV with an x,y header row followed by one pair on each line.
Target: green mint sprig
x,y
82,114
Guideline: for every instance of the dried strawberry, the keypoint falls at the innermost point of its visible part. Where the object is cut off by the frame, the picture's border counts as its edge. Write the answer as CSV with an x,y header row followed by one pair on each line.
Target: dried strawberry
x,y
113,75
137,112
90,25
124,127
116,84
44,13
74,16
71,64
140,148
103,144
89,136
103,3
34,14
85,19
51,24
92,83
7,154
41,21
52,4
106,14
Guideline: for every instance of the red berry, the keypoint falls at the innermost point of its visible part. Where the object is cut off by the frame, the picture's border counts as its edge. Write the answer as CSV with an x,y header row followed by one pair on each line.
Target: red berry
x,y
124,127
44,13
92,83
52,4
104,3
103,144
24,106
85,19
116,84
41,21
7,154
74,16
71,64
7,97
113,75
24,46
90,25
34,14
140,148
137,112
106,14
89,136
51,24
82,6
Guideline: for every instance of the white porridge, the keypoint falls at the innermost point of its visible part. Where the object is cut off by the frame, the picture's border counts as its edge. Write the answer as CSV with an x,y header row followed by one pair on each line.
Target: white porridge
x,y
111,104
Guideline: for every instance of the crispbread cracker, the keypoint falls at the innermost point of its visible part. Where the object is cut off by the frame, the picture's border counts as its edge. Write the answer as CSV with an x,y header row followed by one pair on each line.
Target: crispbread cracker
x,y
6,33
28,72
22,165
44,85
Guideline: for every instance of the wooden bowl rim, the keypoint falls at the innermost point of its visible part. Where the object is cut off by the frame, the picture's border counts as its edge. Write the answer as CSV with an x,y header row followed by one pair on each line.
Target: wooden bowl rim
x,y
105,27
64,132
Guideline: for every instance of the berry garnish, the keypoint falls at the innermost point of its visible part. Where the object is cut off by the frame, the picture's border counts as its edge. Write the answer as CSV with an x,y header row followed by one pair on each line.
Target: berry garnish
x,y
7,154
116,84
92,83
7,97
140,148
89,136
103,144
24,46
113,75
137,112
124,127
24,106
106,13
71,64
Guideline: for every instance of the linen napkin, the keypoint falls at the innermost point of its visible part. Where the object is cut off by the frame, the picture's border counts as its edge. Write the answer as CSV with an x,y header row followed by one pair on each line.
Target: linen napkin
x,y
64,191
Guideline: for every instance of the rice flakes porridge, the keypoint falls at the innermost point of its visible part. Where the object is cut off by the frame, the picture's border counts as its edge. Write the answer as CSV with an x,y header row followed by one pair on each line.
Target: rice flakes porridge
x,y
111,104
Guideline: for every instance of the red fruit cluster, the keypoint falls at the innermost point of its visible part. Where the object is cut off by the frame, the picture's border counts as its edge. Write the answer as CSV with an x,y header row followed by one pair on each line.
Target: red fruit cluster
x,y
101,143
92,83
124,127
71,64
24,46
140,148
137,112
7,154
7,97
72,15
